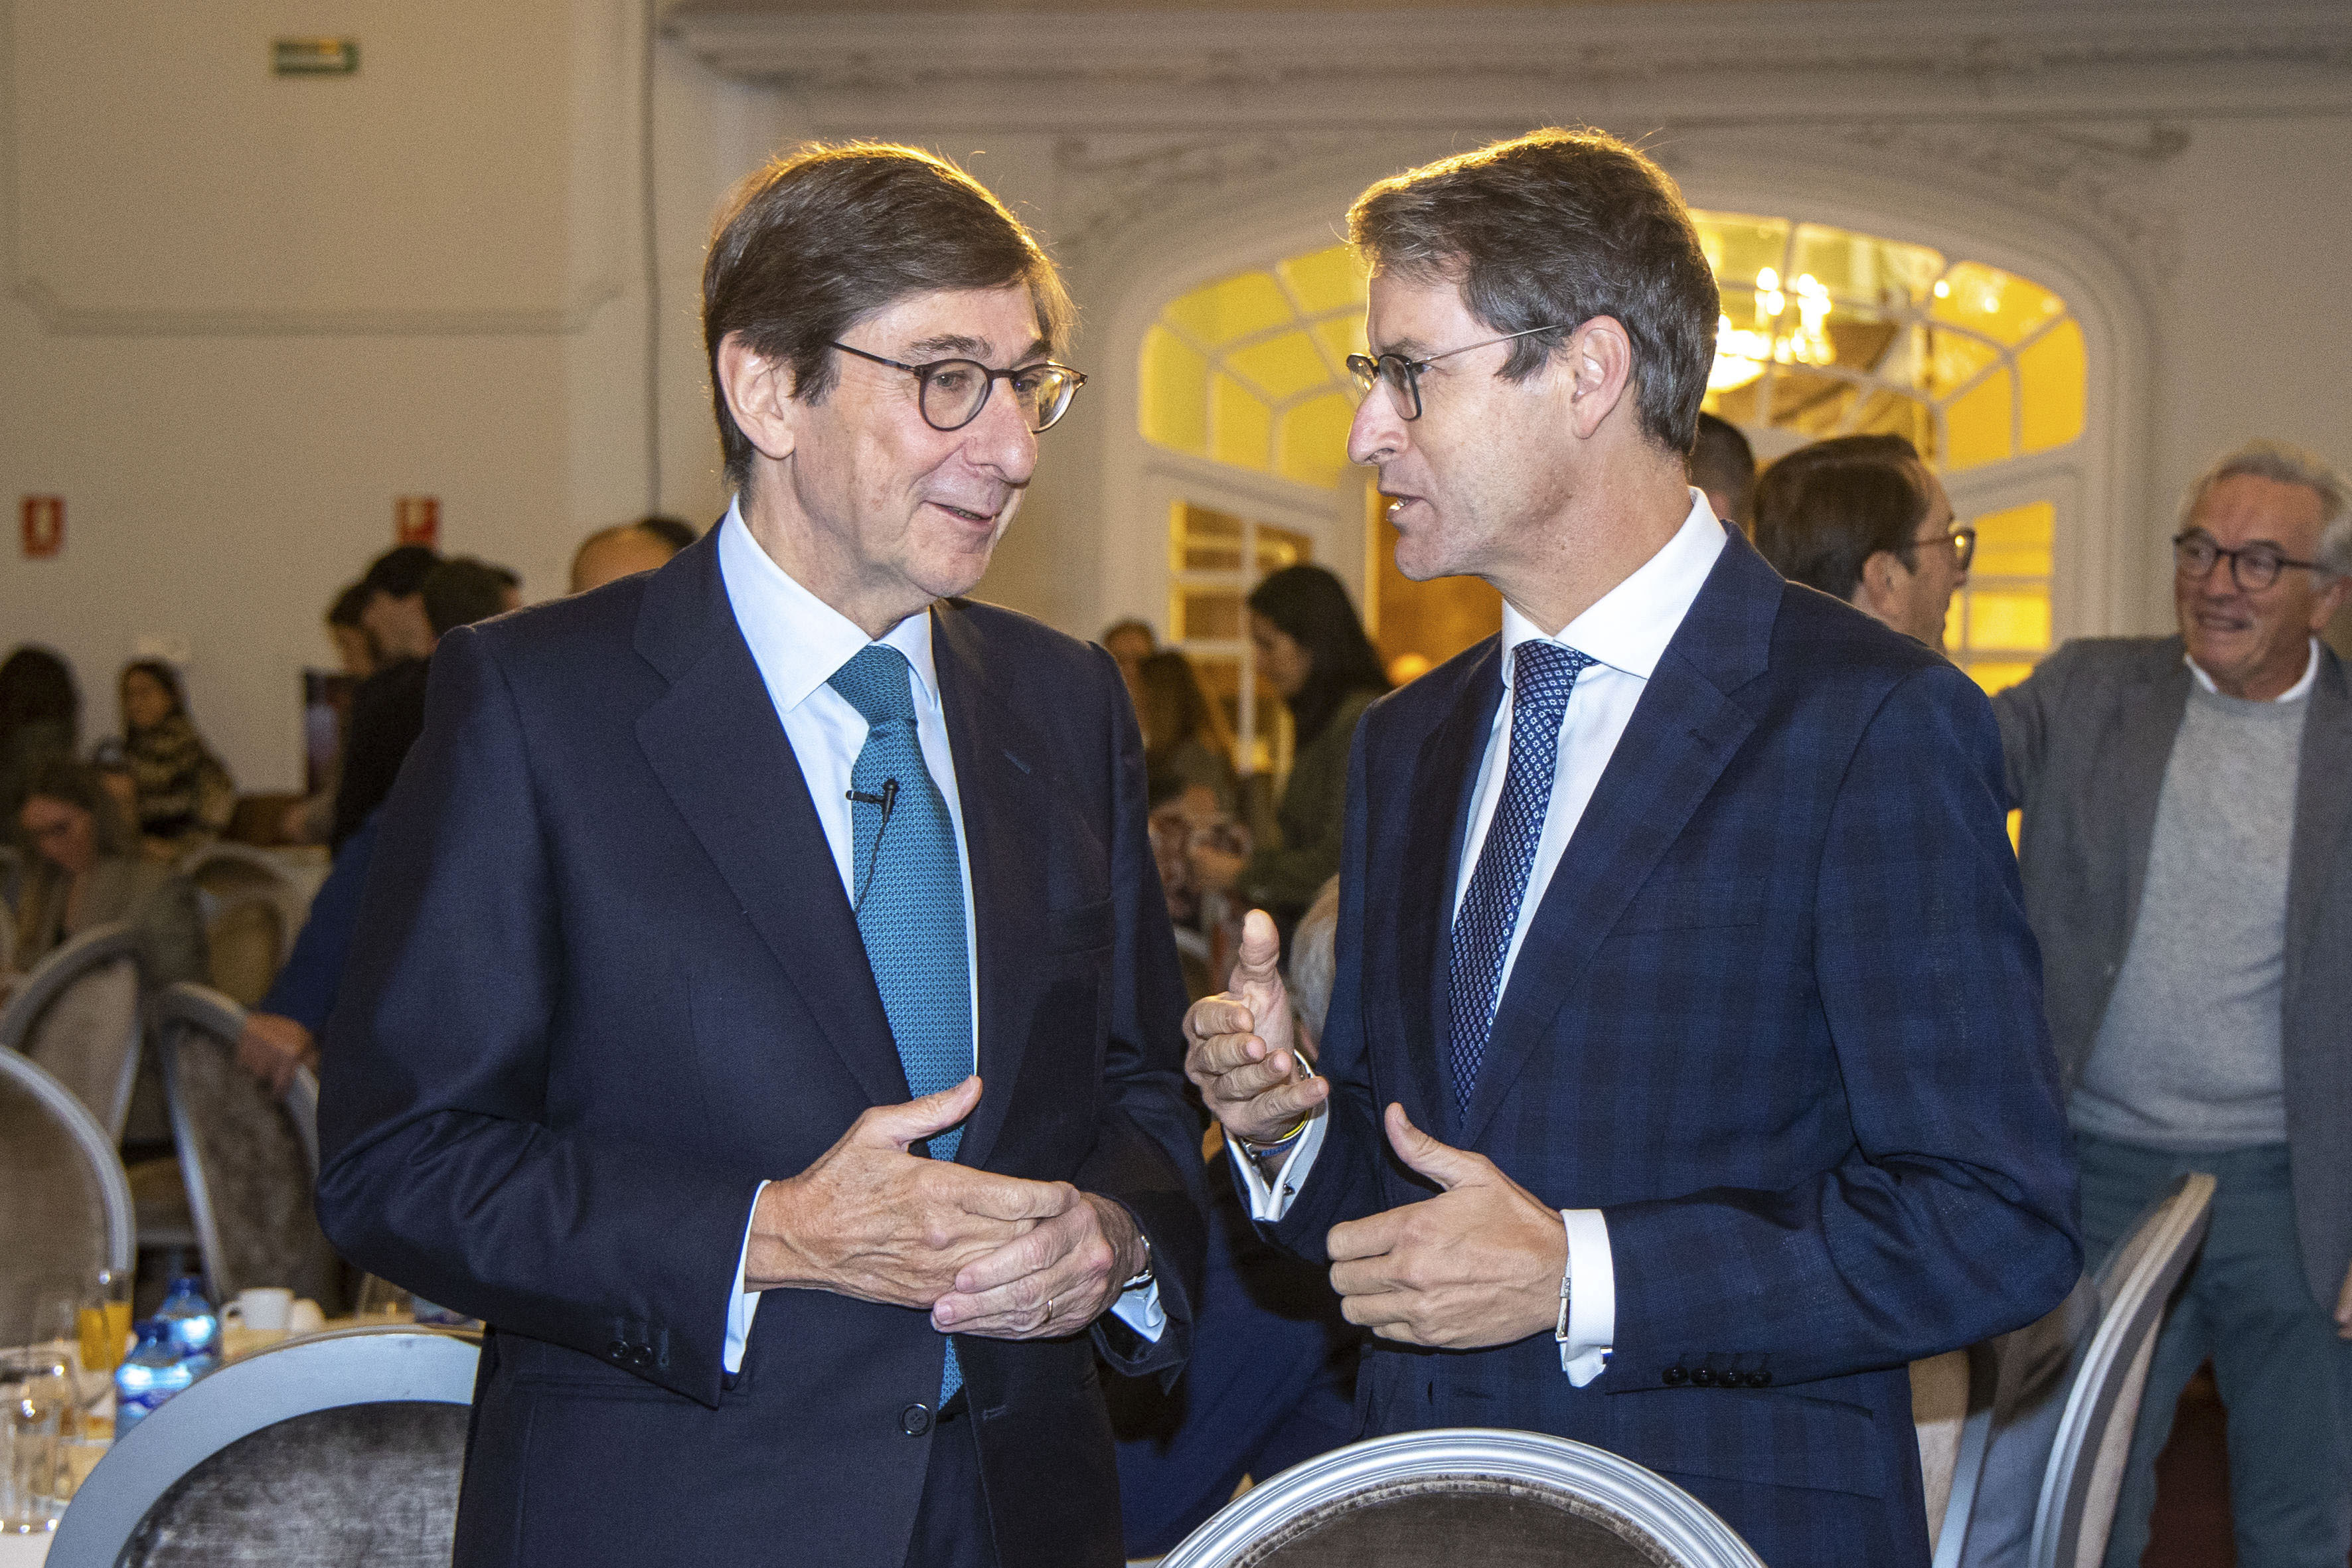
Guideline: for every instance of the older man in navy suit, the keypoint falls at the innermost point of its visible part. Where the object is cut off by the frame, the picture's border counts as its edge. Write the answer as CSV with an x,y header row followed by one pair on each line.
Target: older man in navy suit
x,y
764,1014
1685,1075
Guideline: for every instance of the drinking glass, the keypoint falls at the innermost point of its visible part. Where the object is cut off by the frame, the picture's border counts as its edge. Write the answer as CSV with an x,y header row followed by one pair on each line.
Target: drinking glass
x,y
103,1321
37,1388
383,1299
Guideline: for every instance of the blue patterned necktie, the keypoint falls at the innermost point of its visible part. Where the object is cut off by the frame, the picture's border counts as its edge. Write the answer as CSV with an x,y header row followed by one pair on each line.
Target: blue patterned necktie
x,y
909,895
1542,676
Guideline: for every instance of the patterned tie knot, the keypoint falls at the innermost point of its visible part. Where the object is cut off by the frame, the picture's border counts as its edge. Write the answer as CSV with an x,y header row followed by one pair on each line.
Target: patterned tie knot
x,y
874,682
1542,676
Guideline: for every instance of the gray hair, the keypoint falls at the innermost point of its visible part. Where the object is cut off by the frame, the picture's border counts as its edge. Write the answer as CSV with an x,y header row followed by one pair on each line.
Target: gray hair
x,y
2289,465
1312,961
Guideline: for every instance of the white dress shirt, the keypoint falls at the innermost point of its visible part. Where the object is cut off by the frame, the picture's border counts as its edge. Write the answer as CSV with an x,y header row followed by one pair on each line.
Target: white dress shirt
x,y
798,641
2295,693
1626,631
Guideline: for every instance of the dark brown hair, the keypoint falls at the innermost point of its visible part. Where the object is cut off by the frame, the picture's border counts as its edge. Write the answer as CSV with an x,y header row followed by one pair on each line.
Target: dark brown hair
x,y
826,237
1310,606
1553,228
1721,460
1825,509
1174,707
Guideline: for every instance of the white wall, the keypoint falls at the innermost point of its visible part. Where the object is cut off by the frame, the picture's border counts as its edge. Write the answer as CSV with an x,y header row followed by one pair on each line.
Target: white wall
x,y
244,313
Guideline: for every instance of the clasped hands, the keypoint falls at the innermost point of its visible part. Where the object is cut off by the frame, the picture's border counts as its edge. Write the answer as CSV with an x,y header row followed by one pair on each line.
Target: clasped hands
x,y
1477,1264
984,1254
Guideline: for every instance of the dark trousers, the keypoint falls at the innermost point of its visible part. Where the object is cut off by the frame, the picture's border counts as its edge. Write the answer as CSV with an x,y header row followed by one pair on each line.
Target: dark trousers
x,y
2284,1376
951,1525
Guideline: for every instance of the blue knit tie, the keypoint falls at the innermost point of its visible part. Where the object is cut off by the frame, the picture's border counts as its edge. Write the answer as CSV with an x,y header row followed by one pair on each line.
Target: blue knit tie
x,y
909,895
1542,676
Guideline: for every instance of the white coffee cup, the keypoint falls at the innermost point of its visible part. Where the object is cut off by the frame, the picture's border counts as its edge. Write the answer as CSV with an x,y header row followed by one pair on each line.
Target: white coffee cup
x,y
263,1307
305,1318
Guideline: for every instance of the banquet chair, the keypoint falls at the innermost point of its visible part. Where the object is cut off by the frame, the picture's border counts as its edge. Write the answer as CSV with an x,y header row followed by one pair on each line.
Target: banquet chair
x,y
1952,1398
76,1015
252,912
2079,1488
247,1161
335,1450
1498,1498
65,1207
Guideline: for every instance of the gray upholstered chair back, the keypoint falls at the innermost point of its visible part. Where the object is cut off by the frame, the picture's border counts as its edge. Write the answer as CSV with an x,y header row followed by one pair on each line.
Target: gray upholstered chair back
x,y
65,1204
337,1451
2079,1488
1497,1499
251,912
248,1163
77,1016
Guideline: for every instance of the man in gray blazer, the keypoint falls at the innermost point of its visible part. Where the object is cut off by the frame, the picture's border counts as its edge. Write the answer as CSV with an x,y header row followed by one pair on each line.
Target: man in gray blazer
x,y
2189,872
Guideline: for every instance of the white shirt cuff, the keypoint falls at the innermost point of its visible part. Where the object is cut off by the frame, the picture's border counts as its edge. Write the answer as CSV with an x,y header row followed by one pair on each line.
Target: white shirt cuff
x,y
1592,1297
1139,1310
1269,1201
740,1307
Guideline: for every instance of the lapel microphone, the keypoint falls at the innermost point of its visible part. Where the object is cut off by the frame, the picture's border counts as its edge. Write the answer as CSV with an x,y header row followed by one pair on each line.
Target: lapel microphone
x,y
886,800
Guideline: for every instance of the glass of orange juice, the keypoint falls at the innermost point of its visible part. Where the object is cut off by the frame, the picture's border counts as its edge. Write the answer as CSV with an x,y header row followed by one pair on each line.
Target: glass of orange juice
x,y
104,1321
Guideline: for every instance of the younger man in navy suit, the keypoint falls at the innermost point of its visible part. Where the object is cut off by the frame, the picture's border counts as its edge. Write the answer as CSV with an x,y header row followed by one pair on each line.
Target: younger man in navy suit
x,y
1685,1075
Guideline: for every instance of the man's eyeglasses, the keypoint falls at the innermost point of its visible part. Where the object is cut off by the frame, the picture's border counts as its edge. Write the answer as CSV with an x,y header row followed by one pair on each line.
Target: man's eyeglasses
x,y
2253,567
1962,543
1402,376
954,391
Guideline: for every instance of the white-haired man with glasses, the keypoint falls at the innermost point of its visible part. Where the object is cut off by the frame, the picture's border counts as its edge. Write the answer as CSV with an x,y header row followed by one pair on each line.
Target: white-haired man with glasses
x,y
2188,871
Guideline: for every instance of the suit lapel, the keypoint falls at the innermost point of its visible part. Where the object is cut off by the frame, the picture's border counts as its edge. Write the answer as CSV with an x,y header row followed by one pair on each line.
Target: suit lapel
x,y
1683,733
1005,800
2323,807
1444,773
2151,713
715,743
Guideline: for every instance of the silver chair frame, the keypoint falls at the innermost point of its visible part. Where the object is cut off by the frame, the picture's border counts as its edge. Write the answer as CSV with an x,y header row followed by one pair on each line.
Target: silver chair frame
x,y
293,905
90,1139
1686,1526
187,1005
320,1372
2114,1368
100,944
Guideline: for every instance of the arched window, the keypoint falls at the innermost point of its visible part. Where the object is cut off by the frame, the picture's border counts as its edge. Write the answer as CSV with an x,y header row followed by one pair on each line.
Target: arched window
x,y
1829,332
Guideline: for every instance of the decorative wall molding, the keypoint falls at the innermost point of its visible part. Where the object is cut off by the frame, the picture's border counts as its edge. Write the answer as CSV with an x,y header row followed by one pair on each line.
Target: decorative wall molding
x,y
58,316
1779,60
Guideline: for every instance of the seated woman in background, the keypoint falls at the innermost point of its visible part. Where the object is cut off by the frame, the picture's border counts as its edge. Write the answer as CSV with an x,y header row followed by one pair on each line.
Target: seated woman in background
x,y
185,796
1311,647
83,868
40,718
1187,758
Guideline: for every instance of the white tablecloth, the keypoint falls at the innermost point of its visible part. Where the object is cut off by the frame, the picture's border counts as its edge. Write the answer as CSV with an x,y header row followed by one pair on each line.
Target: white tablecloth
x,y
22,1551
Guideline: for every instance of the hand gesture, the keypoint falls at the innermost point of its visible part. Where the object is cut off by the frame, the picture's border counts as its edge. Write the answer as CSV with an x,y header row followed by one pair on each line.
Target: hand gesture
x,y
871,1221
1054,1279
1241,1054
1479,1263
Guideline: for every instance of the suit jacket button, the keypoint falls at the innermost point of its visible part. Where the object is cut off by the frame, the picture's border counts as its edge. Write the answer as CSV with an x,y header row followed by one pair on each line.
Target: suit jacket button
x,y
915,1420
1759,1380
1674,1376
617,1350
643,1355
1702,1377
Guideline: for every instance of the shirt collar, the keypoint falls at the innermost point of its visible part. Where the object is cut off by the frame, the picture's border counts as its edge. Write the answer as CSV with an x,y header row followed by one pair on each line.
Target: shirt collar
x,y
796,638
2300,688
1628,628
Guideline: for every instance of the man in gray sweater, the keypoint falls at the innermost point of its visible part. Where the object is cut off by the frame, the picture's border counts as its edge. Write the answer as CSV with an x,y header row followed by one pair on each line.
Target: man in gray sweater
x,y
2189,872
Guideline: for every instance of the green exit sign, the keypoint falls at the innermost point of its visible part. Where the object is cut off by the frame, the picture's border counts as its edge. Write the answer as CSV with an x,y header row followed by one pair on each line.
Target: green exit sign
x,y
315,57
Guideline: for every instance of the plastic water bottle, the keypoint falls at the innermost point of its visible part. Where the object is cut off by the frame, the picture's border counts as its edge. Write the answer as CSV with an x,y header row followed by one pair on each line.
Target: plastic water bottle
x,y
195,1327
148,1375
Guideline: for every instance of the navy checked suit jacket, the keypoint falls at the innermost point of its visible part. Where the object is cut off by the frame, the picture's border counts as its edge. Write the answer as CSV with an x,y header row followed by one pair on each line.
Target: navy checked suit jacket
x,y
1779,1017
606,980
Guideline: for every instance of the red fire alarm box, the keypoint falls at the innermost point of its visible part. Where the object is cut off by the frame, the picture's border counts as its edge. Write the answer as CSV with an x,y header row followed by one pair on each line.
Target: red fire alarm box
x,y
416,520
45,526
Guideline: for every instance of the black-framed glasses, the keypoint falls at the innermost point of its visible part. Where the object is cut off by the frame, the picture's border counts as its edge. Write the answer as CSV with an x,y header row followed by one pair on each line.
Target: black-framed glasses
x,y
2253,567
1402,376
1963,541
954,391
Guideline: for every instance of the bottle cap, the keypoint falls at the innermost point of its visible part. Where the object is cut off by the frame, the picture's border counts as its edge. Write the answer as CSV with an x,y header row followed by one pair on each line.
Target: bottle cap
x,y
188,1282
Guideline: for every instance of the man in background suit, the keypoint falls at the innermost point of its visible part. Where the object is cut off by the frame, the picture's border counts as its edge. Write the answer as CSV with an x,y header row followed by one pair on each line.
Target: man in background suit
x,y
764,1013
1685,1068
2186,849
